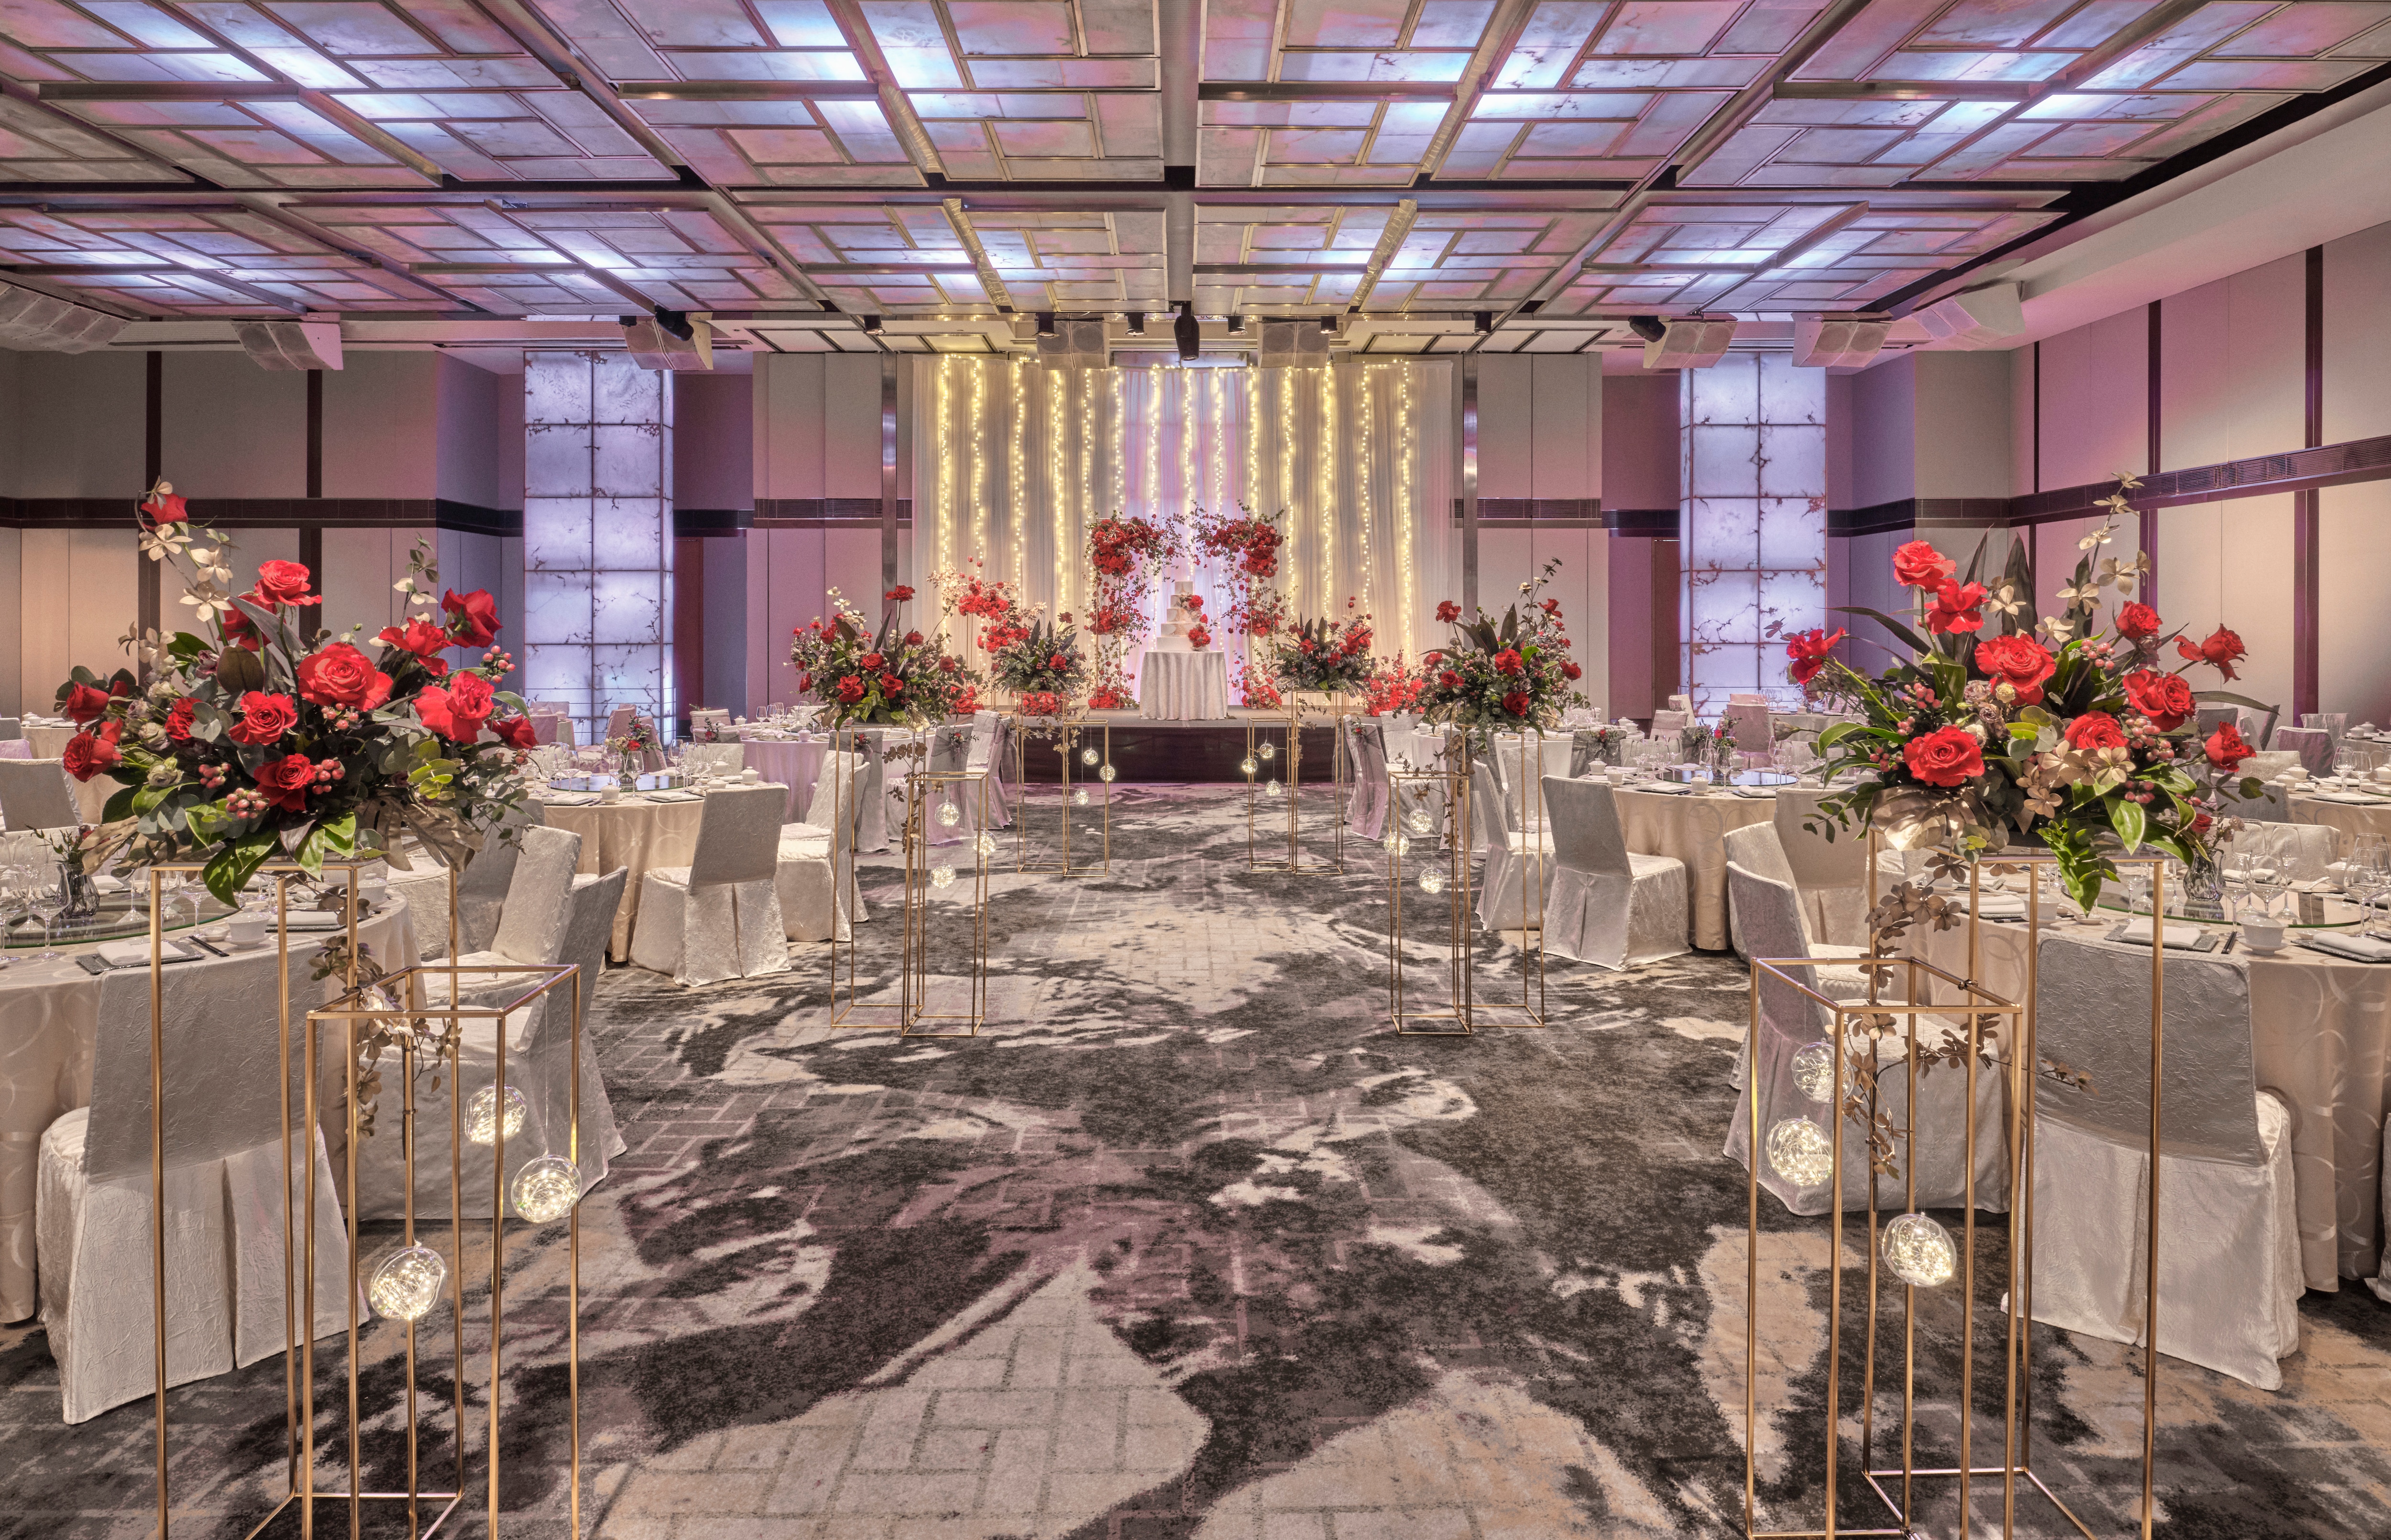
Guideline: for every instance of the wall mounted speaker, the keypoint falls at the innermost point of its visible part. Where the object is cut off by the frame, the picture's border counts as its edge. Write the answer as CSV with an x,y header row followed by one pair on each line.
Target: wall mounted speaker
x,y
1696,343
1075,344
1292,344
39,323
1836,341
1977,318
290,344
652,345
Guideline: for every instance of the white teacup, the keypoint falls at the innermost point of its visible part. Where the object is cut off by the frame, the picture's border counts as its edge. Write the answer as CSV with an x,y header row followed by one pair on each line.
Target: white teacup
x,y
2262,933
247,930
751,778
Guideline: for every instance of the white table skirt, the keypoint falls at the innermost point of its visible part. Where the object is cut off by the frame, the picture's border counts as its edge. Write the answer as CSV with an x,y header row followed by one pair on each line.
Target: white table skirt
x,y
1182,687
49,1020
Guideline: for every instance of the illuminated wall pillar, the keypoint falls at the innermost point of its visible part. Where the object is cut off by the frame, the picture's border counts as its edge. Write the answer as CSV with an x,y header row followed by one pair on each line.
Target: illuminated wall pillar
x,y
1752,523
598,549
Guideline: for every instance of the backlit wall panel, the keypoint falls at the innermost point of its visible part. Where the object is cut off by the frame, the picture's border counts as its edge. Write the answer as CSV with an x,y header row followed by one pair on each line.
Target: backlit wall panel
x,y
1754,522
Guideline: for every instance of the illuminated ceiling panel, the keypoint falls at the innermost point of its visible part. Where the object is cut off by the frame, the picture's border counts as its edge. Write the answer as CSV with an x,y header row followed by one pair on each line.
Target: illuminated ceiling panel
x,y
216,262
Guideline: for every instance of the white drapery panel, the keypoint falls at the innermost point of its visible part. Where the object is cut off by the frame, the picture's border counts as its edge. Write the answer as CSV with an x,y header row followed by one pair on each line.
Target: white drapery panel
x,y
1013,461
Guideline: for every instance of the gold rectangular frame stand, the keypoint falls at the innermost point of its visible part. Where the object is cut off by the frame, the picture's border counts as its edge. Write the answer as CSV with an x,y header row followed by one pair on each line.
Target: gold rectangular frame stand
x,y
1063,733
1419,785
2018,1348
1262,752
847,1010
927,793
1533,856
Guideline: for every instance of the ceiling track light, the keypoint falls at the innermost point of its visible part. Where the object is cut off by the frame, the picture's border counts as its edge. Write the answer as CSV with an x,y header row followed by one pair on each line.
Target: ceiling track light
x,y
1187,333
872,326
1651,328
1045,323
1484,321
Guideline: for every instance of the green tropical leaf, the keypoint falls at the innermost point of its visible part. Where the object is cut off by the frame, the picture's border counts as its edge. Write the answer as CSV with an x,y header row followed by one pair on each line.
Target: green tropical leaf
x,y
2130,822
1900,633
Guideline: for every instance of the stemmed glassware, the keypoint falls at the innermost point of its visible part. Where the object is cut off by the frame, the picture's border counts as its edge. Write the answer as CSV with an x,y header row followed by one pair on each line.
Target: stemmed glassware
x,y
45,901
2368,875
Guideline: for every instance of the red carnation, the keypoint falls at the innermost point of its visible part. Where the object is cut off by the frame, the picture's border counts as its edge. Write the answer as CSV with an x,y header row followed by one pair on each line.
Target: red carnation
x,y
341,676
2095,730
2163,698
283,583
2222,648
1808,650
1919,566
2139,622
2226,749
2019,662
178,720
284,781
472,618
1945,758
85,704
264,717
89,754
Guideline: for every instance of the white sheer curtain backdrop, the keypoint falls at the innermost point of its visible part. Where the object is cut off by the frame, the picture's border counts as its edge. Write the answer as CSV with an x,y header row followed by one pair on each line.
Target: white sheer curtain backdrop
x,y
1013,461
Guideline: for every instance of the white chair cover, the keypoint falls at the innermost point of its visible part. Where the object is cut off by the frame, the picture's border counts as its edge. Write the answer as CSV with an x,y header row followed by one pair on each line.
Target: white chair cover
x,y
1504,898
1749,722
225,1285
718,917
709,759
706,724
1510,754
2299,852
999,765
813,853
2313,744
1830,875
621,717
1608,906
12,726
1755,847
35,795
2258,726
1368,746
2270,806
2334,723
1789,1021
1667,724
873,835
2228,1241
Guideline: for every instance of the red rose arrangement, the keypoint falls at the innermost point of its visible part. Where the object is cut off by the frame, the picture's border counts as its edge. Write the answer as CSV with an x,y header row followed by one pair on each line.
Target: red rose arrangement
x,y
1244,549
1323,654
1503,675
864,678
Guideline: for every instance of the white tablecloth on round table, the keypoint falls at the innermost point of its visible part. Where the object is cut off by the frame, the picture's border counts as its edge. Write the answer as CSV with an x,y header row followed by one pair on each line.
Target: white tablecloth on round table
x,y
794,762
638,832
2349,818
1182,687
1692,826
2320,1036
49,1020
91,796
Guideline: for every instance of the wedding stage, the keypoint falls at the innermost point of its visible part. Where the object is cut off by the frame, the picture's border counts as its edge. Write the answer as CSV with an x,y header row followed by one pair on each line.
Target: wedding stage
x,y
1188,752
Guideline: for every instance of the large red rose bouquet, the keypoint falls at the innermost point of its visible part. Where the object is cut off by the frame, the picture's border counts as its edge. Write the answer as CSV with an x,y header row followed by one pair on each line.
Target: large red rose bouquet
x,y
886,677
1324,655
261,734
1246,549
2002,727
1510,675
1125,553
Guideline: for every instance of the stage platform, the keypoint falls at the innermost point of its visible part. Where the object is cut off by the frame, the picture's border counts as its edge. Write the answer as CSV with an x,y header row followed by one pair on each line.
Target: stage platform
x,y
1186,752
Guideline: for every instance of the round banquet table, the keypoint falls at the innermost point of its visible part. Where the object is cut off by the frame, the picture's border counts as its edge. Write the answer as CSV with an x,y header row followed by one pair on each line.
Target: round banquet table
x,y
642,830
1692,826
2370,817
49,1020
794,762
2319,1037
1182,687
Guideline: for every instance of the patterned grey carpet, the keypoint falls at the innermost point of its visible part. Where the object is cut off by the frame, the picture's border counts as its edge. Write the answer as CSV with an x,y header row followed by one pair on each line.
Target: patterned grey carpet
x,y
1189,1245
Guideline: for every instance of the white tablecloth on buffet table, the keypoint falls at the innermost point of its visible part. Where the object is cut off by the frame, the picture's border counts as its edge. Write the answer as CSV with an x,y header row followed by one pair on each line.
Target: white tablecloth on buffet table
x,y
49,1021
1182,687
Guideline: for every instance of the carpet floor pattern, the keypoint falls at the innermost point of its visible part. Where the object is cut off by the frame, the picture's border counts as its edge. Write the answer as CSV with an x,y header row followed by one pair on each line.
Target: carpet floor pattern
x,y
1188,1245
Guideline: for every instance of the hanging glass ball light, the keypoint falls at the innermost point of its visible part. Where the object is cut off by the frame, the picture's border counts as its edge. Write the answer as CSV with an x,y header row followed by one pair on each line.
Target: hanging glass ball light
x,y
1799,1151
1919,1250
1813,1071
949,815
406,1284
1079,797
942,876
1274,789
1432,881
1420,822
1246,765
1270,751
547,1189
1087,756
985,845
482,1114
1402,845
1106,774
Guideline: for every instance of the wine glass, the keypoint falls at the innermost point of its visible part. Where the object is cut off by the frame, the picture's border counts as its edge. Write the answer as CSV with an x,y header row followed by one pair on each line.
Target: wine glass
x,y
2269,883
2235,872
46,901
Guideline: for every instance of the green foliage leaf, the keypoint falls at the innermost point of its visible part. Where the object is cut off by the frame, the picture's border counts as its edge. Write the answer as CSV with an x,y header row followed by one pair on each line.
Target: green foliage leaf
x,y
232,868
1900,633
2130,822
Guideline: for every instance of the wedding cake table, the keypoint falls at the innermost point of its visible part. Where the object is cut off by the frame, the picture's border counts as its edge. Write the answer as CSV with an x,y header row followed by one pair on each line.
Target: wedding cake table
x,y
1182,677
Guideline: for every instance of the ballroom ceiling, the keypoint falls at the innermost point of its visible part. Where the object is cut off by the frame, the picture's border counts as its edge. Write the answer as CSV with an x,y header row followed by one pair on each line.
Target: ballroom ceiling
x,y
948,165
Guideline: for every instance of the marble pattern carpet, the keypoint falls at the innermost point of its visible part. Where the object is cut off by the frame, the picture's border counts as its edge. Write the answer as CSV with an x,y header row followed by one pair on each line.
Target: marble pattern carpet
x,y
1189,1245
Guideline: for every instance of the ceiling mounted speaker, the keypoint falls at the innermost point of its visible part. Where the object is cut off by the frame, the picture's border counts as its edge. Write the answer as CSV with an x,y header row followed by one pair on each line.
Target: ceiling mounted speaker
x,y
1187,333
1075,344
1292,344
653,344
1690,344
1977,318
39,323
1836,341
290,344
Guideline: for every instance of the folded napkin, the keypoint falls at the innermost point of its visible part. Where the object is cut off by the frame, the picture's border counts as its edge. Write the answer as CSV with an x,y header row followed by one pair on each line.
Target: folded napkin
x,y
570,799
1992,905
107,881
2137,931
1768,793
314,919
136,955
676,796
1666,788
2354,948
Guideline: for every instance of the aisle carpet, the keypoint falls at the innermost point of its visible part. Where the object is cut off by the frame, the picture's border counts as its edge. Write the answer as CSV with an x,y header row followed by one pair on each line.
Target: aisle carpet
x,y
1188,1245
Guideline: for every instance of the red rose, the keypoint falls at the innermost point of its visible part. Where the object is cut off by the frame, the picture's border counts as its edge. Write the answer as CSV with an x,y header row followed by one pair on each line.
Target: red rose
x,y
1507,661
2222,648
420,638
870,660
341,676
2139,622
851,689
2163,698
1447,611
1919,566
264,717
1450,679
899,594
2019,662
178,720
285,782
1058,662
89,754
1808,650
283,583
1516,702
458,711
1945,756
913,639
1194,603
2226,749
1572,671
2095,730
164,508
947,665
516,732
1956,608
85,704
891,685
472,618
1551,606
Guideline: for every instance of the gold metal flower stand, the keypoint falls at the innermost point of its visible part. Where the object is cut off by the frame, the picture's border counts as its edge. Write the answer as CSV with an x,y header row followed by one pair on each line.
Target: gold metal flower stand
x,y
1273,747
936,878
1531,876
1086,753
1416,798
1922,1255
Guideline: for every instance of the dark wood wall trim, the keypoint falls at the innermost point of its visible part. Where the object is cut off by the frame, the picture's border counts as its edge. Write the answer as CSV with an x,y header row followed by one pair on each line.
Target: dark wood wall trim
x,y
315,432
270,513
692,523
824,513
1580,512
1657,523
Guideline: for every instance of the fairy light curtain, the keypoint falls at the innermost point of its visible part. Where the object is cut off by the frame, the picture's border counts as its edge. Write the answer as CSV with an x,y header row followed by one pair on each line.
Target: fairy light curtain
x,y
1013,461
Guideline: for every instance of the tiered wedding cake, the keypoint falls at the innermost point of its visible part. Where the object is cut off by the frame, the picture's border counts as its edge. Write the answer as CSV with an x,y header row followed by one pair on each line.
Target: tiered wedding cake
x,y
1174,638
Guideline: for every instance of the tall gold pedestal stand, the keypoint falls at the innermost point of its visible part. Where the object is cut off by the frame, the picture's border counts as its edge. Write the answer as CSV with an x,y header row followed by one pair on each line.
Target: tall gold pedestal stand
x,y
929,796
1983,1014
1087,754
849,786
1264,756
1525,774
1411,796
